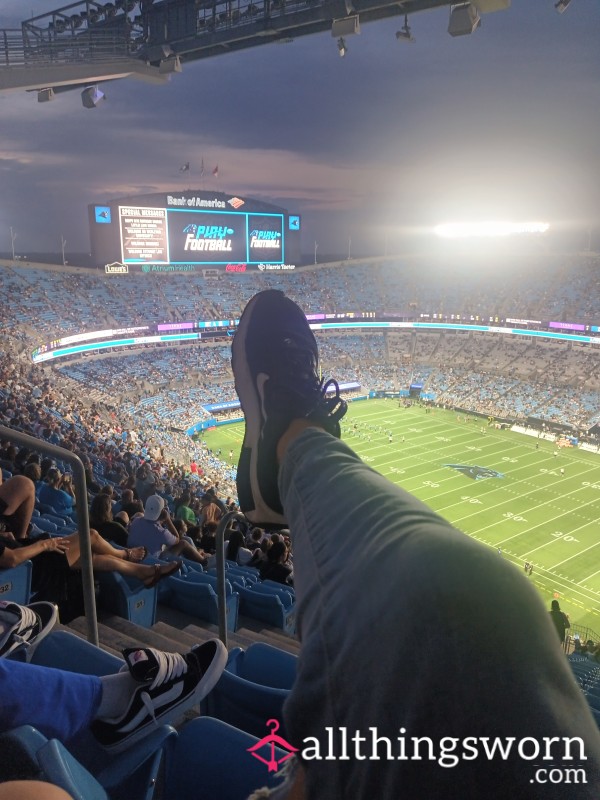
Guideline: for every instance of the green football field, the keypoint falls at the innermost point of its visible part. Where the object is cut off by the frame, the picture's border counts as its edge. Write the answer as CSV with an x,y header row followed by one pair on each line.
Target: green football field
x,y
531,513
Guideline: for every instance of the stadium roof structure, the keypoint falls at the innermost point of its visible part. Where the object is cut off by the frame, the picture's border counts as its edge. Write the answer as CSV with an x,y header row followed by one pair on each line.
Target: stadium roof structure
x,y
89,42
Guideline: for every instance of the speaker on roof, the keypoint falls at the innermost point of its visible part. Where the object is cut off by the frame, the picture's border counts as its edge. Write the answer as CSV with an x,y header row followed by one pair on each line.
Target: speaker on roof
x,y
91,96
464,18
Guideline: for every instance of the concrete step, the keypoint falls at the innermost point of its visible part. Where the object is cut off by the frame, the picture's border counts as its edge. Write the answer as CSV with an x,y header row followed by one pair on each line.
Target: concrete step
x,y
250,630
80,630
263,632
123,631
110,640
189,639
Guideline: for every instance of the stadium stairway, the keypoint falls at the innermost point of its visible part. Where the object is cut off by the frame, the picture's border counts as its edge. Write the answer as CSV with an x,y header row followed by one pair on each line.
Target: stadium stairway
x,y
177,631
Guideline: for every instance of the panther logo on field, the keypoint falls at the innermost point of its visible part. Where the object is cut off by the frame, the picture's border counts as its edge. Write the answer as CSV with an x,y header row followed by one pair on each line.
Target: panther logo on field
x,y
474,472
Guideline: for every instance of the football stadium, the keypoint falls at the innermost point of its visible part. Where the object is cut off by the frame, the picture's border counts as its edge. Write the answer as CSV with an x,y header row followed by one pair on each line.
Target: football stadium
x,y
275,523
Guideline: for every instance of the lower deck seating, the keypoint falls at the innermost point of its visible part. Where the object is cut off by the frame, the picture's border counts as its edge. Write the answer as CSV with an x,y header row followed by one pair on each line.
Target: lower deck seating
x,y
15,583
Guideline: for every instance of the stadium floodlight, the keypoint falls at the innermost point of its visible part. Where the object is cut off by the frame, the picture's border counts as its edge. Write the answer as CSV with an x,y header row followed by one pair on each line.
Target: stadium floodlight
x,y
561,6
404,34
342,48
466,230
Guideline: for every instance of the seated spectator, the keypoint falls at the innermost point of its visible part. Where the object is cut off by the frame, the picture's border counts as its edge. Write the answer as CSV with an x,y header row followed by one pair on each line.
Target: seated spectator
x,y
183,509
208,540
17,498
256,537
275,568
55,558
236,551
129,504
155,531
210,510
32,471
259,556
101,519
145,482
58,492
122,517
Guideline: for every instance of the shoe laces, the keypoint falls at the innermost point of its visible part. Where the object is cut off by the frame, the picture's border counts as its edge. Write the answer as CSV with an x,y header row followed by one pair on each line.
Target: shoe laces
x,y
27,623
170,667
333,405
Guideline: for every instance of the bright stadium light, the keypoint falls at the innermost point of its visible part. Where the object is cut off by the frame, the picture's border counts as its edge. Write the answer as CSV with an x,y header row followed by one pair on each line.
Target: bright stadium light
x,y
466,230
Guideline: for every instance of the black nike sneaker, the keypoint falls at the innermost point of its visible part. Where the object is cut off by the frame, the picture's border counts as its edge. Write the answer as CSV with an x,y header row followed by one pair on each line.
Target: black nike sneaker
x,y
275,366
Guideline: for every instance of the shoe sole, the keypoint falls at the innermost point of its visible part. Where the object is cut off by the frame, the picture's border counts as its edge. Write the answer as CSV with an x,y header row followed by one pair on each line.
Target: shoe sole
x,y
204,686
261,513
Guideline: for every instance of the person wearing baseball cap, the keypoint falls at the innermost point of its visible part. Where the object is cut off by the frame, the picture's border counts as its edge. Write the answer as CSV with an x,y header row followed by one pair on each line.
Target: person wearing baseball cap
x,y
155,531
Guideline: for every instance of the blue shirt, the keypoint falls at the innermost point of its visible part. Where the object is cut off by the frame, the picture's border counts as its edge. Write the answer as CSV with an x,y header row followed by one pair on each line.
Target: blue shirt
x,y
151,535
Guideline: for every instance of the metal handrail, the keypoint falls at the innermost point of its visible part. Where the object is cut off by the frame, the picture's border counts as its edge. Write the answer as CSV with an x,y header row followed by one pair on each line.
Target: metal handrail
x,y
221,593
83,522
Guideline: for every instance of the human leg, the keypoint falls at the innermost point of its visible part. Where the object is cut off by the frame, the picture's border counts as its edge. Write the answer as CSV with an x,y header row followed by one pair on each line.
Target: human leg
x,y
17,499
149,574
407,625
183,548
100,547
120,708
32,790
60,704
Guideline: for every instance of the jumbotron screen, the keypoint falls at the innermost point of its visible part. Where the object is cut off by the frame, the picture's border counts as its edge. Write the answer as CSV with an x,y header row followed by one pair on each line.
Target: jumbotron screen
x,y
192,229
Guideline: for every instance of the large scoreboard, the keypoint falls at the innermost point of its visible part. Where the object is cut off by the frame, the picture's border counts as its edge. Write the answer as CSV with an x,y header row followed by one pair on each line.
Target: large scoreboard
x,y
189,230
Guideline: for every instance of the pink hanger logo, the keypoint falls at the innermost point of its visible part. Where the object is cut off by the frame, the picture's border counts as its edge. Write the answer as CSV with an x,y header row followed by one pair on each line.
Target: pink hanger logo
x,y
271,741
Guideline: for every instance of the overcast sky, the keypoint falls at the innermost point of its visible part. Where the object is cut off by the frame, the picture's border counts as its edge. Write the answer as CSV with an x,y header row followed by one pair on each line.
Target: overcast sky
x,y
393,137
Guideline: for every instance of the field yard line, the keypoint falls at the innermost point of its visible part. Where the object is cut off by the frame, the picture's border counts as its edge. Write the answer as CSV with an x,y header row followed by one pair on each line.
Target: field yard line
x,y
588,577
534,508
571,452
438,453
569,585
557,539
545,522
581,552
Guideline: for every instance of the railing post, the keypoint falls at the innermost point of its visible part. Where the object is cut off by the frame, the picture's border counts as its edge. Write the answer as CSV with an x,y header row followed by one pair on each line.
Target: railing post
x,y
221,594
83,523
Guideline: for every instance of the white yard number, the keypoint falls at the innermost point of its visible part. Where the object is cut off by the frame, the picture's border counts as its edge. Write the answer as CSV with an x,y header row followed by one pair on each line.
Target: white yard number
x,y
471,499
515,517
431,484
591,485
566,537
510,460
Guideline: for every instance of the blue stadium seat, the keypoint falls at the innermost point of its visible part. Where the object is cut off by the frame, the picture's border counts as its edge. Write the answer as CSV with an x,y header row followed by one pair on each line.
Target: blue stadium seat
x,y
225,770
253,687
15,583
127,598
268,608
277,585
133,773
278,589
194,595
45,525
65,650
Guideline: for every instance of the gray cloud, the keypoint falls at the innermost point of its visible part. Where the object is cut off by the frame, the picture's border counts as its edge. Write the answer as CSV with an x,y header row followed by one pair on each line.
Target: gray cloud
x,y
504,121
